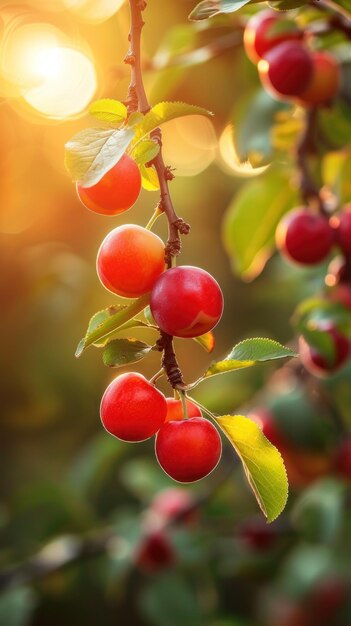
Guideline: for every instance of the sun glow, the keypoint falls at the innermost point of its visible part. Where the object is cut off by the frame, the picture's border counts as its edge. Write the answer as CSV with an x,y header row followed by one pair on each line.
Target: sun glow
x,y
55,79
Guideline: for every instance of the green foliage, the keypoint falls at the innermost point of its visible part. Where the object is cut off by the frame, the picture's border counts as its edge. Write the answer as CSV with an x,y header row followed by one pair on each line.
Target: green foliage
x,y
318,513
252,218
248,353
120,352
262,463
210,8
145,151
103,323
17,606
253,122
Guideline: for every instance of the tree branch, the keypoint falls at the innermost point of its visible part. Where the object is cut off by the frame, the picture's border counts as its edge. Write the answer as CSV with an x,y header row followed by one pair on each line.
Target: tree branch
x,y
137,100
306,146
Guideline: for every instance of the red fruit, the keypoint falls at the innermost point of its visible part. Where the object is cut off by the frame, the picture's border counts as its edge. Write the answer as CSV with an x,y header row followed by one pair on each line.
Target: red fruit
x,y
258,38
304,237
188,450
173,502
155,553
130,260
175,409
343,230
117,190
132,409
342,463
186,301
327,598
319,364
257,535
325,82
286,70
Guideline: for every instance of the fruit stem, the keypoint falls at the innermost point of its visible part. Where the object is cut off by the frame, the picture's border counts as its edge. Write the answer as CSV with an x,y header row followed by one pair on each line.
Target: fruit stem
x,y
185,408
306,146
156,376
157,212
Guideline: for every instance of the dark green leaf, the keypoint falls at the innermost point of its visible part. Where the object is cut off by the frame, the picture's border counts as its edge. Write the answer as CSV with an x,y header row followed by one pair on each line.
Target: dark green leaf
x,y
16,607
318,513
120,352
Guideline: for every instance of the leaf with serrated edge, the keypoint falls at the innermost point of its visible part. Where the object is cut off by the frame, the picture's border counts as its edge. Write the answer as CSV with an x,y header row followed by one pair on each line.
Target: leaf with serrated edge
x,y
94,151
120,352
164,112
249,352
145,151
110,324
108,110
262,463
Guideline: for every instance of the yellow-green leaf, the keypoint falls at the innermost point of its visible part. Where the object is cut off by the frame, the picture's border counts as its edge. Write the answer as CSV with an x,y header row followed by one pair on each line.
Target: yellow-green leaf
x,y
262,463
108,110
149,178
145,151
249,352
164,112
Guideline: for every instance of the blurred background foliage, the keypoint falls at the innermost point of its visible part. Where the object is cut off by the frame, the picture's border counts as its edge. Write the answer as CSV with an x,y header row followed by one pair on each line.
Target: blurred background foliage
x,y
68,490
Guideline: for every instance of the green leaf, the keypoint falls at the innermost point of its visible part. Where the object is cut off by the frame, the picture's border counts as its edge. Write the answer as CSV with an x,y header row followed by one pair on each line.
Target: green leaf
x,y
253,126
252,218
210,8
207,341
145,151
94,151
262,463
120,352
287,5
164,112
248,353
101,325
149,178
318,513
17,606
108,110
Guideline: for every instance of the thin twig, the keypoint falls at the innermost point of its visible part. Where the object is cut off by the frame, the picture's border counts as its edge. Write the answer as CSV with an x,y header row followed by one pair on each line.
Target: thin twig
x,y
306,146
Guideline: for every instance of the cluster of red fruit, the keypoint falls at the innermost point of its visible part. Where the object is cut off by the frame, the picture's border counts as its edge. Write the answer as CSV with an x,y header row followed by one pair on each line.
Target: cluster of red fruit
x,y
307,238
185,302
288,69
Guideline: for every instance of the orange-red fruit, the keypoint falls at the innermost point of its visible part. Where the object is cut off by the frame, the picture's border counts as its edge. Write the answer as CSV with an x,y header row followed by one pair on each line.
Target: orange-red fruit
x,y
325,81
188,450
286,70
258,38
130,260
186,301
132,409
117,190
175,409
304,237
